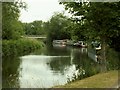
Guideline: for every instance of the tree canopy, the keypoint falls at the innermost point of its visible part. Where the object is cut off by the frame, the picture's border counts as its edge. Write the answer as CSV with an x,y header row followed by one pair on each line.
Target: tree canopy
x,y
11,26
35,28
58,27
98,20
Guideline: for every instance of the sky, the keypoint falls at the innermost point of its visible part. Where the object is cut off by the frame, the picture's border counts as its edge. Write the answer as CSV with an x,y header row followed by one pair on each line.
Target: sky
x,y
40,10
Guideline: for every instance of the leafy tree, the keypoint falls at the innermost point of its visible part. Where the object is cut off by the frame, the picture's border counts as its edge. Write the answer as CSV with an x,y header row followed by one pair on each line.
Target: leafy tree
x,y
0,20
34,28
78,32
99,21
11,26
58,27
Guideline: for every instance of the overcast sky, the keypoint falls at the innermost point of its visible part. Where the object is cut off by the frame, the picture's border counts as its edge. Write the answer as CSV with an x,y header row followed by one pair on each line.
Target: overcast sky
x,y
40,10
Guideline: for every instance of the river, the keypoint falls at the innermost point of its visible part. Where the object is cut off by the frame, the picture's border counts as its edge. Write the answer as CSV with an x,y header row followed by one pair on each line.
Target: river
x,y
52,66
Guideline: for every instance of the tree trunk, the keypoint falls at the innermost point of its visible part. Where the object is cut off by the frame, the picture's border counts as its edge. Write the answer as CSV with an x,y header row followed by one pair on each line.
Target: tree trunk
x,y
103,56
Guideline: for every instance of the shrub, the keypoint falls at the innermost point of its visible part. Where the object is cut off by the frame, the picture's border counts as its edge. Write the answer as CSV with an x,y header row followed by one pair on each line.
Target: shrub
x,y
21,46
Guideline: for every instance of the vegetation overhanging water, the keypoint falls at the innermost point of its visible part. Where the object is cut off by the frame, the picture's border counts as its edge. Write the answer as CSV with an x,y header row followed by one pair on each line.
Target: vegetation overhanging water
x,y
52,66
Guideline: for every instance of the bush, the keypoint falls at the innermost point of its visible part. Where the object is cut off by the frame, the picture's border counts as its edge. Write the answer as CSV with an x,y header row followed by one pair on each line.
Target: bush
x,y
20,47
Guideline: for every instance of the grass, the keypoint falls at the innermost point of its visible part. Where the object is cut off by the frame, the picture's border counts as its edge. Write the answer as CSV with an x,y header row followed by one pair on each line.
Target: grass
x,y
101,80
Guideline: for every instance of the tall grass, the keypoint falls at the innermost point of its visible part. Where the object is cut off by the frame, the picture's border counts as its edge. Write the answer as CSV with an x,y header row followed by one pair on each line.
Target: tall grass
x,y
20,46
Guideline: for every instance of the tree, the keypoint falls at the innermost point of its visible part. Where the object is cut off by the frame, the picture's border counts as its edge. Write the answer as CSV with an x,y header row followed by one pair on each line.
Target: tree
x,y
100,21
58,27
11,26
34,28
0,20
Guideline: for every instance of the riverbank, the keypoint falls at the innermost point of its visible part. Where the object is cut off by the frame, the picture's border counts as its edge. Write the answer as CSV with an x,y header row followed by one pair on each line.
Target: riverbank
x,y
20,46
101,80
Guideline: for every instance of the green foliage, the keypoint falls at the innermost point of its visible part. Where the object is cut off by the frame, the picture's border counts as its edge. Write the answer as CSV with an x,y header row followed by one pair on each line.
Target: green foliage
x,y
97,20
113,59
115,43
78,32
20,46
58,27
34,28
11,27
13,30
0,25
10,72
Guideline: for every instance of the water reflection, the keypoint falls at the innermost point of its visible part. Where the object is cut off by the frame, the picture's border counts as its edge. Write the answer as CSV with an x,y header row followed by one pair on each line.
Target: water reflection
x,y
10,72
53,66
41,69
59,65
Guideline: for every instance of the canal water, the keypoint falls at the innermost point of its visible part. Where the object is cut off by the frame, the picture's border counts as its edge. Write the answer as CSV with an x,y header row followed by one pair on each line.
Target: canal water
x,y
53,66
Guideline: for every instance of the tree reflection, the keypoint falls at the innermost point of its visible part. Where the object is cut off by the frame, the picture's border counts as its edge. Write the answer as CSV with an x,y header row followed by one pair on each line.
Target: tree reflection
x,y
59,64
53,51
10,72
57,51
67,57
85,67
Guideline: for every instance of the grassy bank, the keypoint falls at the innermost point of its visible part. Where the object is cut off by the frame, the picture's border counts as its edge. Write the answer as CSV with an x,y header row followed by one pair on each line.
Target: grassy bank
x,y
20,46
101,80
